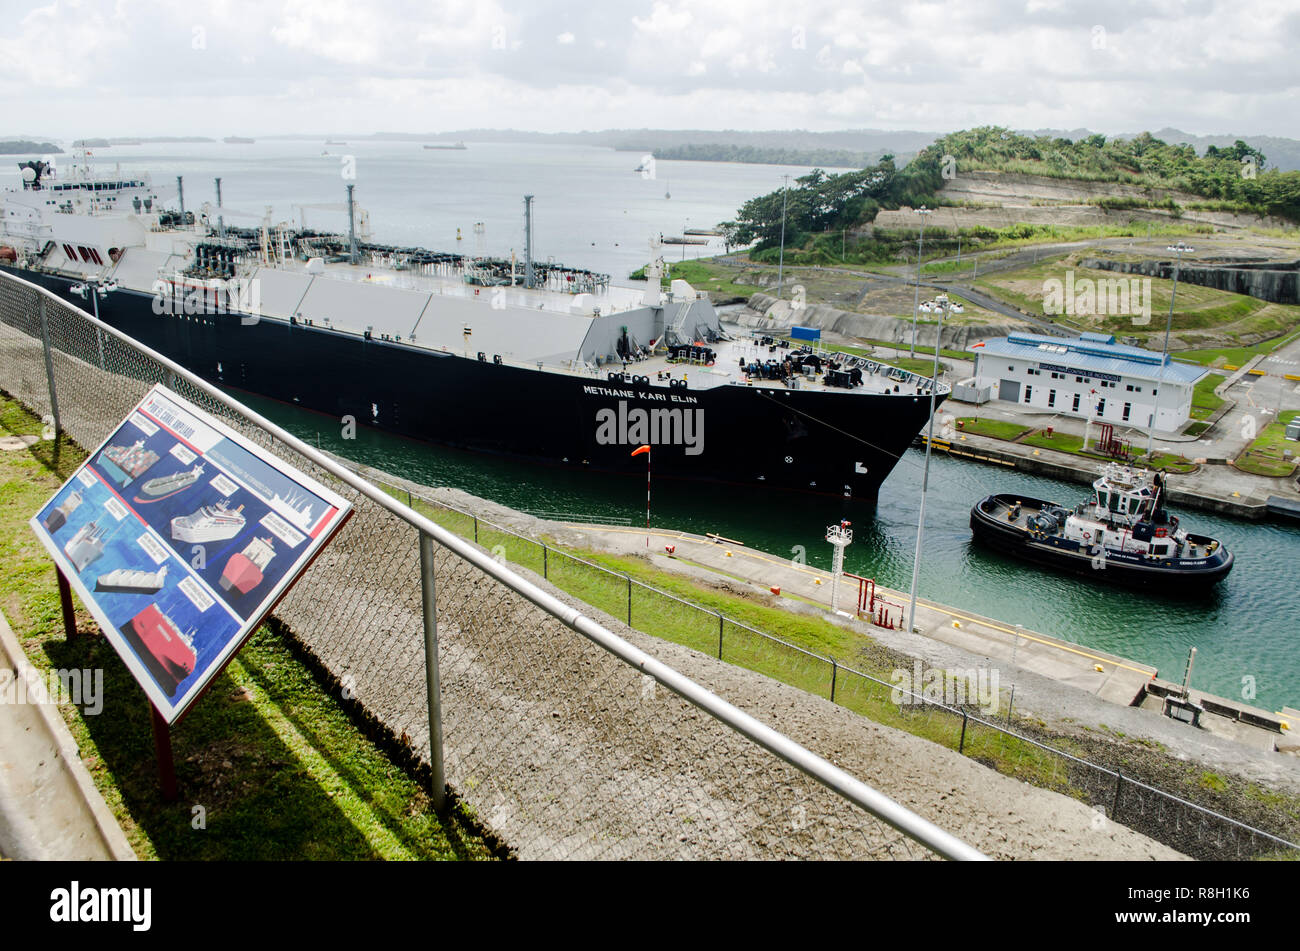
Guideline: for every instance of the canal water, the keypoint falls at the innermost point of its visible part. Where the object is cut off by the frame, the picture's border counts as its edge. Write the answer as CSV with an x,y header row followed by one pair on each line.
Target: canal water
x,y
1248,646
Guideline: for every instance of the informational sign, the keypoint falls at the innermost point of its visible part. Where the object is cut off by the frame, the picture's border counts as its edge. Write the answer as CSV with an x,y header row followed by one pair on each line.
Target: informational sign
x,y
180,536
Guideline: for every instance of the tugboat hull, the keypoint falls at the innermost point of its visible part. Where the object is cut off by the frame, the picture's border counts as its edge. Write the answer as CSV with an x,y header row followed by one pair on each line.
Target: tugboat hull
x,y
1179,575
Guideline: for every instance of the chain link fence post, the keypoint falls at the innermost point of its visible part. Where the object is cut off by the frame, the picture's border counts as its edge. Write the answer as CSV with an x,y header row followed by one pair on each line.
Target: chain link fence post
x,y
545,569
834,670
961,745
721,624
49,371
629,600
433,684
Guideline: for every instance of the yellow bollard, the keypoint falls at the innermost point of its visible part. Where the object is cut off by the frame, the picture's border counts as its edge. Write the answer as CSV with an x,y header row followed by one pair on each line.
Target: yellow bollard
x,y
1098,668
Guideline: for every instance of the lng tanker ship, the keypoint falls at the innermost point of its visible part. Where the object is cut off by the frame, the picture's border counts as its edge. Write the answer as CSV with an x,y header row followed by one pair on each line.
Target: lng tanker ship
x,y
520,358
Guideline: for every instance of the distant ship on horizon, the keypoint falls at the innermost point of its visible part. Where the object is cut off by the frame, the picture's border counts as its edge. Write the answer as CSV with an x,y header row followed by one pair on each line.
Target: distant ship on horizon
x,y
457,147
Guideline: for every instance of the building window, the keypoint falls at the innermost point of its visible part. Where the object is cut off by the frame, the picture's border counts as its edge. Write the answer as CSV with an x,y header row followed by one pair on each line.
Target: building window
x,y
1128,408
1029,391
1130,387
1078,379
1075,407
1051,397
1101,407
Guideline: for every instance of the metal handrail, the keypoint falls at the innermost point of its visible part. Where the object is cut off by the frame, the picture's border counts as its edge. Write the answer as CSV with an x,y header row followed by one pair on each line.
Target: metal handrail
x,y
832,777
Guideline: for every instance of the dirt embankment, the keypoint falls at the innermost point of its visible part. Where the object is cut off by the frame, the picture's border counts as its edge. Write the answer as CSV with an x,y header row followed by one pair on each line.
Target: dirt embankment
x,y
1035,199
780,315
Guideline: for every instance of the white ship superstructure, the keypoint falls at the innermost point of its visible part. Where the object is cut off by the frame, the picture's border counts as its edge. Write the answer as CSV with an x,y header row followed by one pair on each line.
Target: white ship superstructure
x,y
210,523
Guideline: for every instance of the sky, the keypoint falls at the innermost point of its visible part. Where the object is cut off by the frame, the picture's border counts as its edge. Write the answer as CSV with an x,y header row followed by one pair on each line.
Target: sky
x,y
76,68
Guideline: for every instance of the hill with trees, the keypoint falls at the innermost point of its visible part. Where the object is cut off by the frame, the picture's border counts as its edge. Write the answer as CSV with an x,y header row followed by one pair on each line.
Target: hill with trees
x,y
1235,177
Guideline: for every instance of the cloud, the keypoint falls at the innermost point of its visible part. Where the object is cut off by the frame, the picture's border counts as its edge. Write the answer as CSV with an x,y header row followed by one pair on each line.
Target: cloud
x,y
414,65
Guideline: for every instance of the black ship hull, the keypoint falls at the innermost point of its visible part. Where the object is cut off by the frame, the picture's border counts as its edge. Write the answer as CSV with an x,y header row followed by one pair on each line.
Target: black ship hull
x,y
1190,576
835,443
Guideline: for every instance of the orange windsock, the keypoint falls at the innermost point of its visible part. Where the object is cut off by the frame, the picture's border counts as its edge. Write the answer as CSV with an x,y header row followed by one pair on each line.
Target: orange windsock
x,y
640,449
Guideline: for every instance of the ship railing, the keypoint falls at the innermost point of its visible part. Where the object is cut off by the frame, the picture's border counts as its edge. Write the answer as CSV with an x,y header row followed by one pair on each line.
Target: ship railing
x,y
568,739
973,729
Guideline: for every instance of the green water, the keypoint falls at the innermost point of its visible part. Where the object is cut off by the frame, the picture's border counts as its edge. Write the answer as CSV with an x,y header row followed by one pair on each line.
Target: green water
x,y
1244,629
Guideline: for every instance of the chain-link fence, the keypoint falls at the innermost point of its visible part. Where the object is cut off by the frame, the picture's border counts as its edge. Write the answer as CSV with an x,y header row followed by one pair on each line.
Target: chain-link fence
x,y
562,738
1179,823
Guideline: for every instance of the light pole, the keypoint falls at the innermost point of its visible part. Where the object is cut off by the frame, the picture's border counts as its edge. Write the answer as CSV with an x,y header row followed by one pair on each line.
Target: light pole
x,y
916,302
780,266
925,480
1178,250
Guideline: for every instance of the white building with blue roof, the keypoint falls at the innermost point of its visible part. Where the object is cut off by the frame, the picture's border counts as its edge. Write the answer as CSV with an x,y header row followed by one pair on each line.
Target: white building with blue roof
x,y
1090,377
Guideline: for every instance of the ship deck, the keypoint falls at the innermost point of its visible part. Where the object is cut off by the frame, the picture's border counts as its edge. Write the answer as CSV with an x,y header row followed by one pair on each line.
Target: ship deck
x,y
876,377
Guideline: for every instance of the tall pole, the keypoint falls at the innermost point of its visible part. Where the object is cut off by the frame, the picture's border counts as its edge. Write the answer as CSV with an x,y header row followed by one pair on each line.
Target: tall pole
x,y
221,219
352,228
925,480
528,241
1178,250
780,265
916,300
180,194
645,451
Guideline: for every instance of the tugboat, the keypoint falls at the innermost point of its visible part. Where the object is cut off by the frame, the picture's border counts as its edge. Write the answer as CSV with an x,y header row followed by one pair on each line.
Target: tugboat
x,y
1122,534
243,572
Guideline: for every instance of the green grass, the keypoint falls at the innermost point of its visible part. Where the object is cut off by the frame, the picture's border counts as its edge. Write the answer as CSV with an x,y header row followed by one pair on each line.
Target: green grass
x,y
1237,356
1204,400
997,429
1264,455
278,768
1196,308
703,275
1061,442
1070,443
